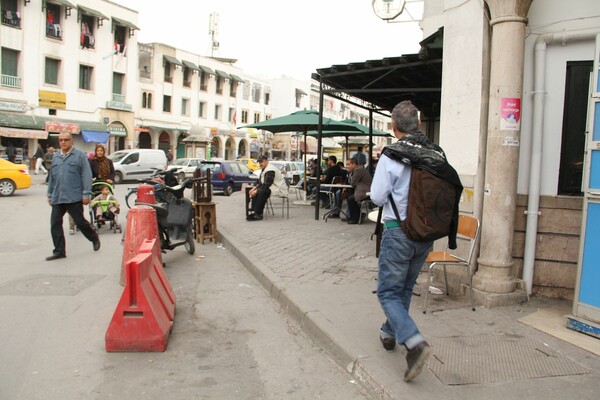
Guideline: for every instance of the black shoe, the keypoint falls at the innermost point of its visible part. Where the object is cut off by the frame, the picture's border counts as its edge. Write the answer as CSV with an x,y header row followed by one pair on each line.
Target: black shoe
x,y
96,244
415,359
56,256
256,217
388,343
352,222
249,217
334,216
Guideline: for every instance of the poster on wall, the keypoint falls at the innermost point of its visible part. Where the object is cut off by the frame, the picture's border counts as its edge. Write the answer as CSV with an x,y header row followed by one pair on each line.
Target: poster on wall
x,y
510,114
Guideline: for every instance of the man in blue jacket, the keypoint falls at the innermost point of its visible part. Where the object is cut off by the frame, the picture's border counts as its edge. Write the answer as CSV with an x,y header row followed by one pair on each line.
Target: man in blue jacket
x,y
69,189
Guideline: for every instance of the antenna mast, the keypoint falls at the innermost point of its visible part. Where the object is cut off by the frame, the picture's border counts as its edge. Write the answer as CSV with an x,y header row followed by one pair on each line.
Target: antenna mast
x,y
213,32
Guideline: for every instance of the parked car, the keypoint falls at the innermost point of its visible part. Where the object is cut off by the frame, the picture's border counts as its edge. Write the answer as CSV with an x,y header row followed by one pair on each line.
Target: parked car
x,y
13,177
228,176
250,163
137,163
185,167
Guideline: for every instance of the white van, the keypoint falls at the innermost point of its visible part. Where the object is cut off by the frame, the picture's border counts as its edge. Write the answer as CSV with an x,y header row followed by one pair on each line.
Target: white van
x,y
137,163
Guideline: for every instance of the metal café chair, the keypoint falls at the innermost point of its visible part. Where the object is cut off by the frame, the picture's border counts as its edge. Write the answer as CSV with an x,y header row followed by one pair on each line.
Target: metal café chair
x,y
468,229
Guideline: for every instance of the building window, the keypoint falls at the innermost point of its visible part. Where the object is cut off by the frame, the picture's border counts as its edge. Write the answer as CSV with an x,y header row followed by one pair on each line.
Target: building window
x,y
233,88
256,93
220,82
147,100
10,14
85,77
10,68
121,33
217,112
256,117
185,106
246,91
87,39
51,69
202,109
203,81
118,84
268,98
53,27
244,116
168,77
231,114
187,77
268,117
167,103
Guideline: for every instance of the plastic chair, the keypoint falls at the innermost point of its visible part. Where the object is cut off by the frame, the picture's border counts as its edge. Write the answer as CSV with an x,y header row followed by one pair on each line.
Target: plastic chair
x,y
468,229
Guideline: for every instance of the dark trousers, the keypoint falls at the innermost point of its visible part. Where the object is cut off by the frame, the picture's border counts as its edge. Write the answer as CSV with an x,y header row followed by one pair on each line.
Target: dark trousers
x,y
353,207
259,200
75,210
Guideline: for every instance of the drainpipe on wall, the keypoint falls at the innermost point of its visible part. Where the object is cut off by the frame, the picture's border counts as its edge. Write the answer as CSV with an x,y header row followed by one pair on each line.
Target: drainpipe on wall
x,y
539,93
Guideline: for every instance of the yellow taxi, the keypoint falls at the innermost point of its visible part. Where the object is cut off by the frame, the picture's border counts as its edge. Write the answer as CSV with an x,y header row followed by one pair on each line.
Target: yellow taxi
x,y
13,177
250,163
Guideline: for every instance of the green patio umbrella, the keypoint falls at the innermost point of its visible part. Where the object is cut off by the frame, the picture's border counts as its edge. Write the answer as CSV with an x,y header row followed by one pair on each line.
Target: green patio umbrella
x,y
302,121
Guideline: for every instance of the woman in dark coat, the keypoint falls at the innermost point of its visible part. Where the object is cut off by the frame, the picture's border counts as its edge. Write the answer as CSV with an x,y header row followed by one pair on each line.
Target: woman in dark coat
x,y
102,168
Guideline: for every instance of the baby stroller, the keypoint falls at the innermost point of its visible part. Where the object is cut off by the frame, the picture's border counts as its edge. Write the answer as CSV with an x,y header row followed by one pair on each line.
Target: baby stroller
x,y
104,207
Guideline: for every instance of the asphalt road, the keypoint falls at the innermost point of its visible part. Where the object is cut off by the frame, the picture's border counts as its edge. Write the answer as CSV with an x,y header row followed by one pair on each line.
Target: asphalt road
x,y
230,339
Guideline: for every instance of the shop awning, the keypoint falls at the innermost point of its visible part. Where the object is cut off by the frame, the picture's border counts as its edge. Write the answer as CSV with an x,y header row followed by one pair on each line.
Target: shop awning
x,y
190,65
89,11
95,136
206,70
222,74
23,133
124,23
172,60
21,121
300,92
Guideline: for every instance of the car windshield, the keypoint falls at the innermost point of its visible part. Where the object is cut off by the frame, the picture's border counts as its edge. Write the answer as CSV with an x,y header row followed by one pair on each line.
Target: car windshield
x,y
181,161
118,155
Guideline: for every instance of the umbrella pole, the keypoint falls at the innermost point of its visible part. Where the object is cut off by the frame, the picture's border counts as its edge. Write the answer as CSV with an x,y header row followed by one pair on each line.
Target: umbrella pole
x,y
304,202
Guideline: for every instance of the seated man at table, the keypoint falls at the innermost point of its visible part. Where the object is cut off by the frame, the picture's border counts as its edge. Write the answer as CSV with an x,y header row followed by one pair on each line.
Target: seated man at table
x,y
332,171
360,179
270,181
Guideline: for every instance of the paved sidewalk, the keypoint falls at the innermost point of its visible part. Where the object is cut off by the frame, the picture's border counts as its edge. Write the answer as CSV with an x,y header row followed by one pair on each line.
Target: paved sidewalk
x,y
325,274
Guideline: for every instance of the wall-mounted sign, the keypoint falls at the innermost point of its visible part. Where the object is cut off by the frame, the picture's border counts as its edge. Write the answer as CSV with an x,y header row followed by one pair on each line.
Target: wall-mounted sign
x,y
60,127
510,114
12,106
118,105
52,99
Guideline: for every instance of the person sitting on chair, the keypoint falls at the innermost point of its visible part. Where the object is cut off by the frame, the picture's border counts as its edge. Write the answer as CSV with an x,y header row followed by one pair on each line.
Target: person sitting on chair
x,y
360,179
270,181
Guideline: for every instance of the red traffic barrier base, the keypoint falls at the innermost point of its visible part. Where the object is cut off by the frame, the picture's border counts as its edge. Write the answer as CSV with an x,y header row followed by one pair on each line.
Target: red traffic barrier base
x,y
144,315
141,225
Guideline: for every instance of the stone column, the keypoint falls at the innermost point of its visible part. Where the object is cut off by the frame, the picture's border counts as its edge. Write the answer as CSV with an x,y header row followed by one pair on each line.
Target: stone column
x,y
494,281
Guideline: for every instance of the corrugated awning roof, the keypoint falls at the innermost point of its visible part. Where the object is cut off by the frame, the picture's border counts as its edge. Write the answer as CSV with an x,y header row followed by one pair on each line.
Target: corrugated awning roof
x,y
206,70
237,78
61,3
300,91
222,74
386,82
124,23
89,11
172,60
190,65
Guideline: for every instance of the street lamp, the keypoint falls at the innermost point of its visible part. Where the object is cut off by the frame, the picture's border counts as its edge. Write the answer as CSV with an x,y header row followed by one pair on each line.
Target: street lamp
x,y
388,9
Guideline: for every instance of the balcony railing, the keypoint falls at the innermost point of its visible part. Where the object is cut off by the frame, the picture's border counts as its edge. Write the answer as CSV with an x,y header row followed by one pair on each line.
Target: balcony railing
x,y
118,97
11,18
11,81
168,79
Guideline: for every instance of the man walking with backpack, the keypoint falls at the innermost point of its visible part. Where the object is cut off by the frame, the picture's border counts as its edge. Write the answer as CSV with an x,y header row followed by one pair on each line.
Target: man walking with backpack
x,y
401,257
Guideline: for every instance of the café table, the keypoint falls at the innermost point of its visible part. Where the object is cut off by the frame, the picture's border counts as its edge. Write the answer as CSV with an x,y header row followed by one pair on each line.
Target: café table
x,y
335,207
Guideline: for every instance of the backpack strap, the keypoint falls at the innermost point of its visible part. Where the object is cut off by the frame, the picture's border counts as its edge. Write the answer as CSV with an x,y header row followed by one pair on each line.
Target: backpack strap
x,y
394,208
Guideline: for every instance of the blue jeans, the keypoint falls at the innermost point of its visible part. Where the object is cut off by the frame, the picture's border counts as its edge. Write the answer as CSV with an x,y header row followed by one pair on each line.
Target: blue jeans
x,y
400,261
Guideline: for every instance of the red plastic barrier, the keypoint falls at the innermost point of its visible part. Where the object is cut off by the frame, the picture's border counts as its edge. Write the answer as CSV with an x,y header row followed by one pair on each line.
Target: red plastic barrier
x,y
145,194
144,315
141,225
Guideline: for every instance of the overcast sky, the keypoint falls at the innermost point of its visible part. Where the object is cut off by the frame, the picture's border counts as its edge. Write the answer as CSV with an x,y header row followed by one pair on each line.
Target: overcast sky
x,y
277,37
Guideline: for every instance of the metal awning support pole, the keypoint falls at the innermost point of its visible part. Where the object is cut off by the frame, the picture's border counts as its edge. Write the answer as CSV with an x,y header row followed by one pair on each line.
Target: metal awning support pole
x,y
319,151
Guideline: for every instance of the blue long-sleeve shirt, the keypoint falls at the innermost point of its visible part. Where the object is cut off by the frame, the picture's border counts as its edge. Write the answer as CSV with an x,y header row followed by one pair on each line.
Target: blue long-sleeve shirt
x,y
391,177
70,177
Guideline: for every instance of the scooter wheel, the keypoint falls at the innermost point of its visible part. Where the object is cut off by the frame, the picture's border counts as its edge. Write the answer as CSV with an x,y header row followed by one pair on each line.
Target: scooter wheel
x,y
190,244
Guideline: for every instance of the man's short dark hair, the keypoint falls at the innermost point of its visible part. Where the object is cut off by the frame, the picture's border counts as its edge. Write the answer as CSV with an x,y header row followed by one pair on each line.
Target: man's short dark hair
x,y
406,117
353,160
359,148
262,158
333,159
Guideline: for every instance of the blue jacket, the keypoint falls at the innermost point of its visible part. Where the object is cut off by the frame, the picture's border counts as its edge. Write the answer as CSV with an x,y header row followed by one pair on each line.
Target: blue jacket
x,y
70,177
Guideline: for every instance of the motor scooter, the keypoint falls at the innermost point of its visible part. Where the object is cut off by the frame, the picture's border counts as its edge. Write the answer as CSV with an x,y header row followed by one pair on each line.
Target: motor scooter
x,y
175,216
